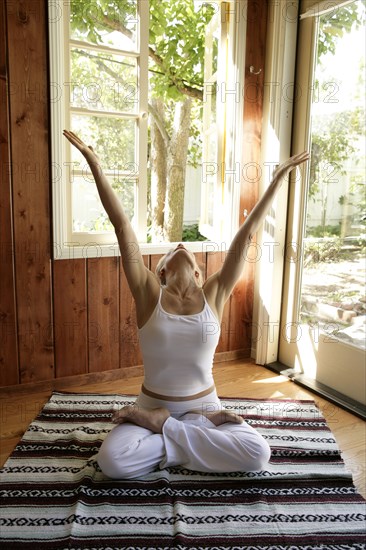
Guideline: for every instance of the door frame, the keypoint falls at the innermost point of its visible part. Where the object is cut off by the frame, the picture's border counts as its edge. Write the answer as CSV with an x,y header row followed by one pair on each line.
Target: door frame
x,y
311,352
276,147
278,274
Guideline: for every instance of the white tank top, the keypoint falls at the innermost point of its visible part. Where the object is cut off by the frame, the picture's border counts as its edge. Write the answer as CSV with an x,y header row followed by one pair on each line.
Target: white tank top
x,y
178,351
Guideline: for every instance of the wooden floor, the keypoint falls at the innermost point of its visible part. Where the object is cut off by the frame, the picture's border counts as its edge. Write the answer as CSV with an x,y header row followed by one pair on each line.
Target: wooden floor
x,y
233,379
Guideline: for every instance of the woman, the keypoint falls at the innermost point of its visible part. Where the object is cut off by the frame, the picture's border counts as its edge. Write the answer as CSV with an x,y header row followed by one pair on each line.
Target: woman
x,y
178,418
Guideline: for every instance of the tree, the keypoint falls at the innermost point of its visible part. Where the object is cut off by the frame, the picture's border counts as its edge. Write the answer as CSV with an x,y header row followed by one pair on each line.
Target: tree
x,y
176,54
334,25
333,142
334,136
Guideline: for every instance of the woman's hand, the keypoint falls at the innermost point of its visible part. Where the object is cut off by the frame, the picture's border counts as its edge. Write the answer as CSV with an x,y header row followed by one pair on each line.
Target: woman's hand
x,y
87,151
285,168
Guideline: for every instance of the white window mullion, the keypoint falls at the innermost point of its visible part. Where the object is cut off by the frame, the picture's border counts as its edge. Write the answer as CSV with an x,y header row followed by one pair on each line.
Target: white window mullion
x,y
316,8
69,244
234,120
213,131
102,49
106,171
230,27
224,193
141,135
58,21
98,112
276,147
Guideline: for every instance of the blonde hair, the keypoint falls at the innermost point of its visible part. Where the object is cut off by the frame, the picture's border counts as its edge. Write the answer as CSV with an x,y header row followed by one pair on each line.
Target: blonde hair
x,y
160,265
158,269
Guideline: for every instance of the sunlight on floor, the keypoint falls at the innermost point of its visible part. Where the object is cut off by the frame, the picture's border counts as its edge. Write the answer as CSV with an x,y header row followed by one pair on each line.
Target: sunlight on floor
x,y
277,379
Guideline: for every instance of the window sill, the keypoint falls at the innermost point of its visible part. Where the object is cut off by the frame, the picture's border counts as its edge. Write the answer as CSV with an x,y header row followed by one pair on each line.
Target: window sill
x,y
75,250
332,395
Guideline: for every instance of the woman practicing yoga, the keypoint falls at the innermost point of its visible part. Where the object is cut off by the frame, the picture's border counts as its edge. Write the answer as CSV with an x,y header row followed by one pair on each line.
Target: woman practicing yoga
x,y
178,418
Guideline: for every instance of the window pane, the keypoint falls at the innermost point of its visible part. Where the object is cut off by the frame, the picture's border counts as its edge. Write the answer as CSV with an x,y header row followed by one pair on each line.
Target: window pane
x,y
113,139
88,214
213,104
212,147
333,292
211,184
215,49
114,26
102,81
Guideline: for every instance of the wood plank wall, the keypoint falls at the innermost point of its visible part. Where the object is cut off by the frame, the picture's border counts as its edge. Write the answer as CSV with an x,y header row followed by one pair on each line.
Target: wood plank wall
x,y
70,318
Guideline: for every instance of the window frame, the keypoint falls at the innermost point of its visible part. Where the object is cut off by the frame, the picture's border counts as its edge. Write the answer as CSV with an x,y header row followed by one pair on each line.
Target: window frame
x,y
67,245
310,357
279,72
273,308
230,82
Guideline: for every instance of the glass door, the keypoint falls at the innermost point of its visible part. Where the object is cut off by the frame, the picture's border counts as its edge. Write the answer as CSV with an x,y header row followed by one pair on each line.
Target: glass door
x,y
323,326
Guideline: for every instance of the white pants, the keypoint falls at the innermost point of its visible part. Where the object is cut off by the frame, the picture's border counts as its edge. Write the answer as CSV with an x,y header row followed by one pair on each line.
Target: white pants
x,y
189,440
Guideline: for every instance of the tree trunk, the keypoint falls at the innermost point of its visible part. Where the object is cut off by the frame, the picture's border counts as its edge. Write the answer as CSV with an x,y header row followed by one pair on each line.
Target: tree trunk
x,y
158,174
176,172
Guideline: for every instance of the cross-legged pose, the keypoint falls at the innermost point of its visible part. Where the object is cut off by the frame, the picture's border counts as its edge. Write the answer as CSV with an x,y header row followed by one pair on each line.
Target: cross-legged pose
x,y
178,419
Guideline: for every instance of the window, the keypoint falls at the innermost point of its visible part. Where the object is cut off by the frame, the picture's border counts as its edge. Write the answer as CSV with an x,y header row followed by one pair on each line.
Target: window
x,y
212,144
222,121
114,110
322,319
100,88
115,104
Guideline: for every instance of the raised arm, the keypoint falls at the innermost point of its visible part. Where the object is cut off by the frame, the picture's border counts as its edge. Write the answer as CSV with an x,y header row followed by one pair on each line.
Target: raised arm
x,y
137,274
225,279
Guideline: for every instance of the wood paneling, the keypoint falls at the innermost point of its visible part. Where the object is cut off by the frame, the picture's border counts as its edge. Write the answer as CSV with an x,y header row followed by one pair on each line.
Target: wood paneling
x,y
72,318
28,95
253,104
103,313
70,313
241,311
9,373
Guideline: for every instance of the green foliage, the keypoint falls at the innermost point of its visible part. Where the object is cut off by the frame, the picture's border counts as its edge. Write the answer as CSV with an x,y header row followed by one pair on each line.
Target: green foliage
x,y
191,233
125,190
101,223
324,231
334,140
334,25
322,250
113,139
356,198
116,91
94,20
337,134
108,82
195,140
177,34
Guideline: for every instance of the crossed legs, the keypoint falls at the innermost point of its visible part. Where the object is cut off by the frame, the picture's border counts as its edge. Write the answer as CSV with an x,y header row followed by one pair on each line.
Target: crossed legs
x,y
147,439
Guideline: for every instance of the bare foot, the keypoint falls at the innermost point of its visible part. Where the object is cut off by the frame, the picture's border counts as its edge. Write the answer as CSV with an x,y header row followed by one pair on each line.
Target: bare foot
x,y
221,417
151,419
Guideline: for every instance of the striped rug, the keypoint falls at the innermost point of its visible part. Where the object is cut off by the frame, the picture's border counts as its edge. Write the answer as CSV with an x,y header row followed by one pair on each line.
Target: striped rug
x,y
53,495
